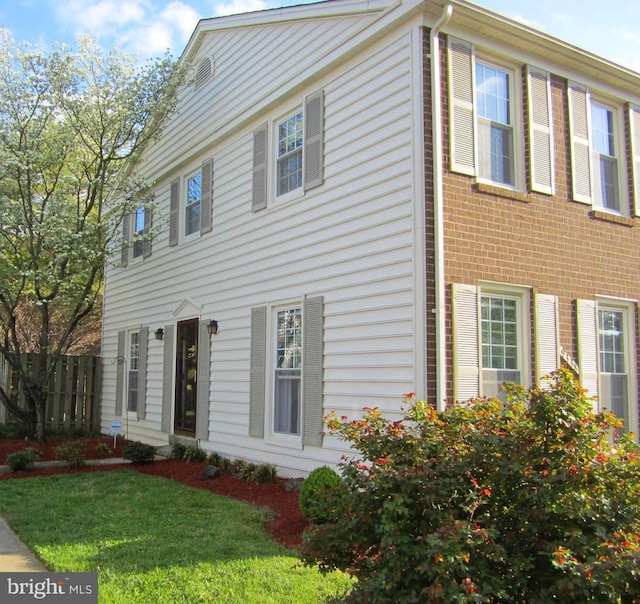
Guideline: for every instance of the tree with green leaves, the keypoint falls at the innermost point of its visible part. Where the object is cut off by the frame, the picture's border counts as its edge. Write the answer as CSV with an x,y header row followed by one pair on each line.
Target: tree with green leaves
x,y
73,124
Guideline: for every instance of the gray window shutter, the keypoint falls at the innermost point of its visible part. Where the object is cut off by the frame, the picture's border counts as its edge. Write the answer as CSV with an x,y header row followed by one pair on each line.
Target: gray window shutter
x,y
257,371
634,121
314,140
204,376
167,379
142,372
466,342
148,221
174,212
580,147
540,131
461,106
587,329
206,201
312,371
259,187
546,334
120,369
124,253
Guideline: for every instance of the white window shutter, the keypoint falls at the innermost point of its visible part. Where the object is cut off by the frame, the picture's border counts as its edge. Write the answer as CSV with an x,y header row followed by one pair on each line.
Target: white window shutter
x,y
206,200
547,340
120,369
124,252
587,328
148,222
167,379
466,342
634,121
579,119
461,106
312,371
259,184
257,373
314,140
540,131
204,381
174,212
142,372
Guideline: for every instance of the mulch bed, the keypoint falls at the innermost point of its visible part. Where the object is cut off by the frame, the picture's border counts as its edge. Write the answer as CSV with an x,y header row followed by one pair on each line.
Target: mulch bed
x,y
286,524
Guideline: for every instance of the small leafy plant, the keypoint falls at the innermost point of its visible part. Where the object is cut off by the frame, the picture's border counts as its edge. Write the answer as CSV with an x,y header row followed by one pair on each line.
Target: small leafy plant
x,y
72,453
139,453
194,454
103,449
178,450
319,494
22,460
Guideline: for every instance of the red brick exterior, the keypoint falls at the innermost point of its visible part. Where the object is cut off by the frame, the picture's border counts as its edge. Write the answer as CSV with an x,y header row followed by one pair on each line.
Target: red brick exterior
x,y
550,244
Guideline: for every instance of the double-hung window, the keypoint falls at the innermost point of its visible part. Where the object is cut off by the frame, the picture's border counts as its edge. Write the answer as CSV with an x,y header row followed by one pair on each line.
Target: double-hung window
x,y
501,337
614,378
287,371
192,207
494,110
138,232
605,157
134,365
289,160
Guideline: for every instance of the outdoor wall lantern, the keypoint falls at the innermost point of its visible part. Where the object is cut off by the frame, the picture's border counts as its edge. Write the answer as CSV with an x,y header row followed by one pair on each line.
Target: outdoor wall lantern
x,y
212,328
159,333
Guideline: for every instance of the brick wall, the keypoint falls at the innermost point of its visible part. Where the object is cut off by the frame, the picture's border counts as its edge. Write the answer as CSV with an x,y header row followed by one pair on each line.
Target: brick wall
x,y
548,243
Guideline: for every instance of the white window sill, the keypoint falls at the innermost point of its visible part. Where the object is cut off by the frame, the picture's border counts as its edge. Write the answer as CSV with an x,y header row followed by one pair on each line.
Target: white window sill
x,y
608,216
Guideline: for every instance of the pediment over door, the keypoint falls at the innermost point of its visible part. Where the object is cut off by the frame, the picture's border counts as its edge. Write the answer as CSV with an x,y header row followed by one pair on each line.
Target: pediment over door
x,y
189,307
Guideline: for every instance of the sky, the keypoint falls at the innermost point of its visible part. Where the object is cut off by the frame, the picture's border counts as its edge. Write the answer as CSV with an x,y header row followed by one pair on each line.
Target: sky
x,y
151,27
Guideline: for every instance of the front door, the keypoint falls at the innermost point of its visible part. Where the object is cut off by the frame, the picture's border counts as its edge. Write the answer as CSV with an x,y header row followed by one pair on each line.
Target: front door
x,y
186,377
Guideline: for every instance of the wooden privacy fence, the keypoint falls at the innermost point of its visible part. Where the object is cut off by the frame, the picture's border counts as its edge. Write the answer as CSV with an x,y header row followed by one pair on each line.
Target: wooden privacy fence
x,y
73,403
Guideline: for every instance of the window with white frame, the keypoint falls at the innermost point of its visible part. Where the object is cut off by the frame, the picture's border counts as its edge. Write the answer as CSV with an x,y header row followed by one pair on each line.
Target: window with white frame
x,y
138,232
501,341
134,365
613,343
192,207
289,155
604,152
496,134
287,393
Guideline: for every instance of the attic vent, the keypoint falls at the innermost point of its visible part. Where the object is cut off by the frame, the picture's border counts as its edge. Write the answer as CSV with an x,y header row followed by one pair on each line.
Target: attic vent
x,y
204,72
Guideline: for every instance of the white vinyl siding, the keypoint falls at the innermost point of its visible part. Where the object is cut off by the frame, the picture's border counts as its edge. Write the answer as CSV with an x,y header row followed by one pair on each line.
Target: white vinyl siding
x,y
352,239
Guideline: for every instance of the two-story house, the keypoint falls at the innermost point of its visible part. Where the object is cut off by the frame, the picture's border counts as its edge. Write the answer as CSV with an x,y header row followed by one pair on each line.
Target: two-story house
x,y
359,199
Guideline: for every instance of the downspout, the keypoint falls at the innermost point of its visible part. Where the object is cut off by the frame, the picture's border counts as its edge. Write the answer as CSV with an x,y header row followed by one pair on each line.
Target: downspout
x,y
438,207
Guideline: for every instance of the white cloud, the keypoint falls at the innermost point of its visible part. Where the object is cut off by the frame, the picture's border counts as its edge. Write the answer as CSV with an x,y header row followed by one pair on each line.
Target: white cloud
x,y
101,18
235,7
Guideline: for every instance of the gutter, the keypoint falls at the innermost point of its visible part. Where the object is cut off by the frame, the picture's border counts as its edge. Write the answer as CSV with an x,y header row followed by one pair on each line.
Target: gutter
x,y
438,207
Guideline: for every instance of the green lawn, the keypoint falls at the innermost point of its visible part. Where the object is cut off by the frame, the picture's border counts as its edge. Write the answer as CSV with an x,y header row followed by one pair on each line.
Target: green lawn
x,y
152,540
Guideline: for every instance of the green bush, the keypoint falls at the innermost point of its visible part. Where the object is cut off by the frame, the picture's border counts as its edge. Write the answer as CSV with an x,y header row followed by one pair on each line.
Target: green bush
x,y
139,453
178,450
22,460
320,494
104,448
265,473
526,502
72,453
195,455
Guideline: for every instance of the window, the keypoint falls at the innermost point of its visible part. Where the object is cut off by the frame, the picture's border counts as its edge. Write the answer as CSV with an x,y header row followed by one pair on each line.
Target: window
x,y
501,328
614,378
298,143
604,157
138,232
287,372
286,403
134,365
192,208
495,124
492,338
290,139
